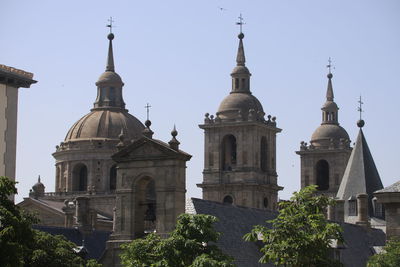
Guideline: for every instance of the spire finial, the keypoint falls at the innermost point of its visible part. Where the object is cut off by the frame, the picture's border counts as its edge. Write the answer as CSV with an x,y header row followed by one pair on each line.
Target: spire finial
x,y
329,91
240,23
38,179
110,24
360,122
174,143
147,107
110,57
330,66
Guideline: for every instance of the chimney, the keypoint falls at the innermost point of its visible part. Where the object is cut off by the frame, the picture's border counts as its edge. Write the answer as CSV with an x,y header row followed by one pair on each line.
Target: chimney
x,y
362,210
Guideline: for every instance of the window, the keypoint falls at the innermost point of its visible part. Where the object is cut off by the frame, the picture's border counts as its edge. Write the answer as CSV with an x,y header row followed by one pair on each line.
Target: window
x,y
352,206
228,152
79,179
265,202
322,172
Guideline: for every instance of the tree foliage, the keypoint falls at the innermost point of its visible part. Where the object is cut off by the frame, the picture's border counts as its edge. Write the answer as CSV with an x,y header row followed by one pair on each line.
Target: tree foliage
x,y
390,257
300,235
20,245
191,244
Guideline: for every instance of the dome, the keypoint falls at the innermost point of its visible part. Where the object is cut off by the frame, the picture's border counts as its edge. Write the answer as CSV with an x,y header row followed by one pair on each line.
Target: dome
x,y
229,107
330,105
110,77
329,131
240,70
105,123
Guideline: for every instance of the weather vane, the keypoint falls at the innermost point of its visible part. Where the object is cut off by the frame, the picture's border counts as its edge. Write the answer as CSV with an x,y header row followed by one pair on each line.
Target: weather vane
x,y
360,109
148,110
330,66
240,22
110,25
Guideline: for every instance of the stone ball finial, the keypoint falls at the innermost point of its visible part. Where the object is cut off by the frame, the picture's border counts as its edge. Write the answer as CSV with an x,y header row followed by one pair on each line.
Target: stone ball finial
x,y
241,36
147,123
360,123
110,36
174,132
330,75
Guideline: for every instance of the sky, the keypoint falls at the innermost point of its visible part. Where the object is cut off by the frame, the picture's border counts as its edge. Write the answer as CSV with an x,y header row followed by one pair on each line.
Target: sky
x,y
178,56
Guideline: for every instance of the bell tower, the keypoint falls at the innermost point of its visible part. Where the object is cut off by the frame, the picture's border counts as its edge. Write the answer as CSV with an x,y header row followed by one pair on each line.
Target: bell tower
x,y
240,147
324,160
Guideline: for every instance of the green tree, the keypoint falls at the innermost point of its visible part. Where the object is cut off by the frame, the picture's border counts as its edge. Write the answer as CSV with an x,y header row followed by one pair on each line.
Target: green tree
x,y
20,245
390,257
300,235
191,244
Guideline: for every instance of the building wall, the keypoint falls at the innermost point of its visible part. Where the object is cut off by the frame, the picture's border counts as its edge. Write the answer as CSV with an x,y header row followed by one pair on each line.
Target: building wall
x,y
8,130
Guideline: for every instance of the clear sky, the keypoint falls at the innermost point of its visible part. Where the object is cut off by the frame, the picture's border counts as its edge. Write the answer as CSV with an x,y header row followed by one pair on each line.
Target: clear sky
x,y
178,55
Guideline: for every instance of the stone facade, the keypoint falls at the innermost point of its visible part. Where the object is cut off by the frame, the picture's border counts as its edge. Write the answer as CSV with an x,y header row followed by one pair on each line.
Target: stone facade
x,y
324,160
150,193
240,147
11,79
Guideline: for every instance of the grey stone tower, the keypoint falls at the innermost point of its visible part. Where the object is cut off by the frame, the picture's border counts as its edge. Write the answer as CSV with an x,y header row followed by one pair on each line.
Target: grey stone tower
x,y
323,161
240,147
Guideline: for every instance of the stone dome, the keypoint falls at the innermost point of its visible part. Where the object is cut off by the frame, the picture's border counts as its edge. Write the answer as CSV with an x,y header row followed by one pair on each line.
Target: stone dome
x,y
105,123
330,105
326,132
229,107
241,70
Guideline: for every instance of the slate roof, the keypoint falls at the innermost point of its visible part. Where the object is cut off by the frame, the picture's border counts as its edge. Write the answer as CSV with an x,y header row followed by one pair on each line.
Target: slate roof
x,y
95,243
235,221
394,188
361,175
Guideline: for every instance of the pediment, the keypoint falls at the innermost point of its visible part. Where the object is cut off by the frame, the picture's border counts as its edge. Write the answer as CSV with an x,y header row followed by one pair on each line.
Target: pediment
x,y
148,149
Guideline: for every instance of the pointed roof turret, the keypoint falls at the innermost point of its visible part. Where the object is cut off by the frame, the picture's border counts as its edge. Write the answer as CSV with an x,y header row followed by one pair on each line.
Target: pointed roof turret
x,y
361,175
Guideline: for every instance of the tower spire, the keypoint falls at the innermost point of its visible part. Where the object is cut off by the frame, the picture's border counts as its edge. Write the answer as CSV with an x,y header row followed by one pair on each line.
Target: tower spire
x,y
329,91
240,58
110,57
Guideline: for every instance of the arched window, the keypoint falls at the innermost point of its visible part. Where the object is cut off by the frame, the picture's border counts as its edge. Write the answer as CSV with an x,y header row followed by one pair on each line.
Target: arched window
x,y
80,174
264,154
228,152
113,178
322,172
265,202
146,208
228,200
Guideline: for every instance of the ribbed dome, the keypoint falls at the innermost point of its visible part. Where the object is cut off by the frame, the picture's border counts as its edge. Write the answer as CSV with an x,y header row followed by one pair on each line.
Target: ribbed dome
x,y
229,107
327,132
105,124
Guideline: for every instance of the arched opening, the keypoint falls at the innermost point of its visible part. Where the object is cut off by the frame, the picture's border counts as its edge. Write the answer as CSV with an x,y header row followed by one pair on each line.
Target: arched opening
x,y
228,152
80,175
113,178
322,172
146,208
264,154
265,202
228,200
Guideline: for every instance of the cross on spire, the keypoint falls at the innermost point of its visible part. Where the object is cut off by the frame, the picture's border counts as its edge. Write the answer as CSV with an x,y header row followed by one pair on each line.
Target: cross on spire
x,y
148,110
110,25
240,22
330,66
360,109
